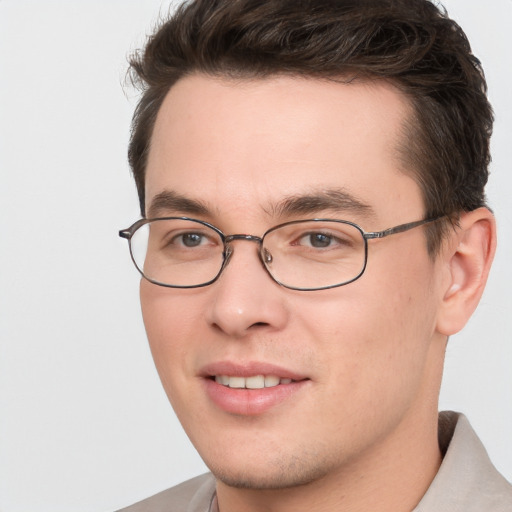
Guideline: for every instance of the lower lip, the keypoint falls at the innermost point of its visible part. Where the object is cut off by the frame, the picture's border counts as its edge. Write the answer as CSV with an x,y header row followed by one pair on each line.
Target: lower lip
x,y
250,402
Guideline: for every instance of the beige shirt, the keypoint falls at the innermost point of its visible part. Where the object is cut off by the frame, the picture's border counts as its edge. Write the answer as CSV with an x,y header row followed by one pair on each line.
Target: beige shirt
x,y
466,481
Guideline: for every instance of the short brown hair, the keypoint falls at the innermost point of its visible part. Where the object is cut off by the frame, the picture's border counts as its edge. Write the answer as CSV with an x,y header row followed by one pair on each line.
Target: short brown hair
x,y
411,43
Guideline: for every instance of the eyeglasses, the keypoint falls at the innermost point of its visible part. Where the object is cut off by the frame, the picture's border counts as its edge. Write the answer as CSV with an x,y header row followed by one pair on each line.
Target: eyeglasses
x,y
180,252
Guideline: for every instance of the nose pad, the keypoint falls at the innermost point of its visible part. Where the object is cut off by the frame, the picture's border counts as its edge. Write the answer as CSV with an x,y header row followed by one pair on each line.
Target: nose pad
x,y
227,254
266,256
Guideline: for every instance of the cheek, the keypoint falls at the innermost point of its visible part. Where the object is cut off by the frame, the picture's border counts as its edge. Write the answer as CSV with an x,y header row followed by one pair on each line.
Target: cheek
x,y
372,364
376,330
400,282
169,323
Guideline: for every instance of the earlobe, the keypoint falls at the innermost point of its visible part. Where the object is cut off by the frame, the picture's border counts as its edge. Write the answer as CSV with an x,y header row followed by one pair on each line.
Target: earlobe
x,y
468,259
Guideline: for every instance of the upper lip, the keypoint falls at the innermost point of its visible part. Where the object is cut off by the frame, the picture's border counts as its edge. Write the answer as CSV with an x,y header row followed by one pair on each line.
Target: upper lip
x,y
248,369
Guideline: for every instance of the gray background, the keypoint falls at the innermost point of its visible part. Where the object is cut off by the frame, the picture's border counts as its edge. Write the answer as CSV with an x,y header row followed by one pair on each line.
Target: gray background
x,y
84,424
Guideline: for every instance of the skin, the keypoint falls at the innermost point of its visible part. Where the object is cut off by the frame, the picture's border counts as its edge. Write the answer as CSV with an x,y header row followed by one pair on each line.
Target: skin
x,y
360,433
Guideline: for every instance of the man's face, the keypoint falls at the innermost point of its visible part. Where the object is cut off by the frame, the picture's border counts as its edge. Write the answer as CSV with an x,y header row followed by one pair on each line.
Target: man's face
x,y
365,358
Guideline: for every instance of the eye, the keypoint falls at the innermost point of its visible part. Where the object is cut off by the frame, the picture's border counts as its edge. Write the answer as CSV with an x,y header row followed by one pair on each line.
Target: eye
x,y
319,240
190,239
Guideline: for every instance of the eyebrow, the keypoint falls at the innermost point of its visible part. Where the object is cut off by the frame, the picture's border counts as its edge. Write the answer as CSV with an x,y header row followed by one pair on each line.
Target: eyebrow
x,y
332,200
169,201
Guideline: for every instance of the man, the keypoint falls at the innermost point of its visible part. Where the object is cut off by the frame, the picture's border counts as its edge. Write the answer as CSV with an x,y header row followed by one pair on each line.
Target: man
x,y
314,228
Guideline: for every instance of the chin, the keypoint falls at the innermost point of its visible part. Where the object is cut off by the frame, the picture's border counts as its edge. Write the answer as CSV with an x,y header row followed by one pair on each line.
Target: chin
x,y
283,475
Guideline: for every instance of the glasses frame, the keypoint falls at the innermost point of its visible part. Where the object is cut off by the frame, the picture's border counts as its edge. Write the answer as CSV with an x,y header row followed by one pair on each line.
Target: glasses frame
x,y
228,250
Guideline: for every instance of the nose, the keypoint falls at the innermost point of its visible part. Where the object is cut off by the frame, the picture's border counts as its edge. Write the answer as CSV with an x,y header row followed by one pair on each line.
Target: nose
x,y
245,298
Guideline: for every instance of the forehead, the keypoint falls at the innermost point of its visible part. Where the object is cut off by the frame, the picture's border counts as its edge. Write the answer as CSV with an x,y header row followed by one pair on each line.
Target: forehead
x,y
256,142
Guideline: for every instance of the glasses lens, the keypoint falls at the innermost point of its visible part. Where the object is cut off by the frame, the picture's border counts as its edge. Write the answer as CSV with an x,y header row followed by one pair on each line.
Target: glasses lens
x,y
314,254
177,252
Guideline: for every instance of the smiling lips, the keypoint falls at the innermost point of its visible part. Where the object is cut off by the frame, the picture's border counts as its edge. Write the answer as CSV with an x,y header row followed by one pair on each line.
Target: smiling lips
x,y
251,388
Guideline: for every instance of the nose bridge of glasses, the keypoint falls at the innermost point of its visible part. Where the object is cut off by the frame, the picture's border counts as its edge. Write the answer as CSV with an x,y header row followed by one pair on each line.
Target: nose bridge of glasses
x,y
249,238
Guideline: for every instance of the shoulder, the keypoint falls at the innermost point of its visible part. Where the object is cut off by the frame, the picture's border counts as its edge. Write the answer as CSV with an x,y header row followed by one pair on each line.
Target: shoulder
x,y
193,495
467,480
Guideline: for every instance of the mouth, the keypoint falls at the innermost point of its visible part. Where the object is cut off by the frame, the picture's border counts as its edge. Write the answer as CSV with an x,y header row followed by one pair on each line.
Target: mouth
x,y
251,382
251,388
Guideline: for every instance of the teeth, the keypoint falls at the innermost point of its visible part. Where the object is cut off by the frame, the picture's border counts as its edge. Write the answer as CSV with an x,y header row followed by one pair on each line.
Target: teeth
x,y
236,382
256,382
252,382
271,381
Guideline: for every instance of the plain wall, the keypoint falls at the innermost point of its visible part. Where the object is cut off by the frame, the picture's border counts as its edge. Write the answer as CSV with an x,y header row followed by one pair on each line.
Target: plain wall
x,y
84,423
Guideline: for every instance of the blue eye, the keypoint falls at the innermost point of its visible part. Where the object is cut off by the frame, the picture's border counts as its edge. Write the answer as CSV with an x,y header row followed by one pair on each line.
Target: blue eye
x,y
319,240
191,239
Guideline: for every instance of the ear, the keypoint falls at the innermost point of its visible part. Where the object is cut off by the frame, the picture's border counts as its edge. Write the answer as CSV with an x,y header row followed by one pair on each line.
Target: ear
x,y
467,258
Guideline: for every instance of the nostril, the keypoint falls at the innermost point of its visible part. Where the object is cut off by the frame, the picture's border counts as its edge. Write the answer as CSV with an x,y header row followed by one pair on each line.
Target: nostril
x,y
260,324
